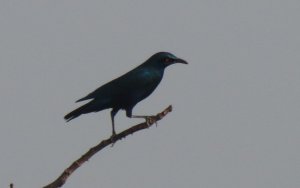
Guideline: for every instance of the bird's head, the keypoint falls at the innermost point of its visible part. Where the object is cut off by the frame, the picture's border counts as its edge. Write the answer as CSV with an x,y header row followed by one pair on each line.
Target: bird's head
x,y
164,59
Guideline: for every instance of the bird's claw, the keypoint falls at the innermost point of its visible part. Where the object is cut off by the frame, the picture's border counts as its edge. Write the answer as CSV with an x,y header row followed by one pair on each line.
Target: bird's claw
x,y
113,139
150,120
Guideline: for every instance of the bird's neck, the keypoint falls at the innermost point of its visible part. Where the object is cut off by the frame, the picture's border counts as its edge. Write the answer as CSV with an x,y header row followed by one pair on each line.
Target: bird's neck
x,y
159,71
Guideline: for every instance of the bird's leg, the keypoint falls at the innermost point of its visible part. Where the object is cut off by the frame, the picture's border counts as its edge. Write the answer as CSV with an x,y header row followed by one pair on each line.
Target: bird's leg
x,y
149,119
112,115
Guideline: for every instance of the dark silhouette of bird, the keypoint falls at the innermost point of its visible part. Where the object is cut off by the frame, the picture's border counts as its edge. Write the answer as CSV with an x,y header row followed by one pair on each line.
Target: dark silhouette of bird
x,y
127,90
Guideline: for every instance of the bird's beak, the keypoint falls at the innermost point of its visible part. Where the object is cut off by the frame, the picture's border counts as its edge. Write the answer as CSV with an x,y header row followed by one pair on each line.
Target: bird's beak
x,y
178,60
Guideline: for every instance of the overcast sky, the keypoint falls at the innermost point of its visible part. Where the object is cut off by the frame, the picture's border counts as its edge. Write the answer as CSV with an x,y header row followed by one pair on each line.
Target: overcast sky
x,y
235,121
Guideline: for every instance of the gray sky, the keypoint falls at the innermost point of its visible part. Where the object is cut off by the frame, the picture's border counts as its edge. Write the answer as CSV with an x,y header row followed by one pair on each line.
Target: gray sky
x,y
236,105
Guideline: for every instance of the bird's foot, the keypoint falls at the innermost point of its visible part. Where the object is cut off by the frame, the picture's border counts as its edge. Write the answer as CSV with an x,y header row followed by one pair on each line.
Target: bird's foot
x,y
150,120
113,139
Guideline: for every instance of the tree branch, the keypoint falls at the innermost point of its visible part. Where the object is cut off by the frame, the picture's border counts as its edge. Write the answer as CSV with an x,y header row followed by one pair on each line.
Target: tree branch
x,y
60,181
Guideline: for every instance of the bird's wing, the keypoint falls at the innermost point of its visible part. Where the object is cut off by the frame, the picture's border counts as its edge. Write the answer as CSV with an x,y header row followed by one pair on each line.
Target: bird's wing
x,y
134,80
102,91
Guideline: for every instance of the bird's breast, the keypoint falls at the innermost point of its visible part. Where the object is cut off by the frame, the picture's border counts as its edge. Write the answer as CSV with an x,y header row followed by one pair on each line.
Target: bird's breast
x,y
151,76
148,80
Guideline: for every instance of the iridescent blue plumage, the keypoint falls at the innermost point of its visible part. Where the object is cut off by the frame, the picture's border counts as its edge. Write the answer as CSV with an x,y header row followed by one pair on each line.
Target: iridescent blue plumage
x,y
127,90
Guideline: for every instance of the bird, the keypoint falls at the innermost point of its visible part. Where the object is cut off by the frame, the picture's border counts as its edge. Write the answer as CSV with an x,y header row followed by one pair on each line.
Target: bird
x,y
124,92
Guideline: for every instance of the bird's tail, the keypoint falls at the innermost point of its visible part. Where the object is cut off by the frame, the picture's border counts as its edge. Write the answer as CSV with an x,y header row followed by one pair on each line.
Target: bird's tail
x,y
77,112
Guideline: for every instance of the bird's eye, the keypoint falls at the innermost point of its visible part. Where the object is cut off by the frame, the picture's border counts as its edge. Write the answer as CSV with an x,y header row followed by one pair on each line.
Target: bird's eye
x,y
168,60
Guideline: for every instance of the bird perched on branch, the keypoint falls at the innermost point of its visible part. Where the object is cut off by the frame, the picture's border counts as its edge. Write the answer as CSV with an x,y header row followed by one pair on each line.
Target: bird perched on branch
x,y
127,90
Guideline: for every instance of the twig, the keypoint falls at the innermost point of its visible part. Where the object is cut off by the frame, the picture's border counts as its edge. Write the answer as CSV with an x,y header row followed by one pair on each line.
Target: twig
x,y
60,181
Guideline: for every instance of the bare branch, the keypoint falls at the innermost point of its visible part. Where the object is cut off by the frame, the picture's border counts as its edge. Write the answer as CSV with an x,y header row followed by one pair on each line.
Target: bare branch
x,y
60,181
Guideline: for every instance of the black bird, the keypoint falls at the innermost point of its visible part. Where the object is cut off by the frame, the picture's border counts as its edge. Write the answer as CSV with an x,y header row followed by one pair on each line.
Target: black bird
x,y
126,91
